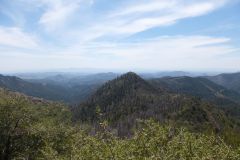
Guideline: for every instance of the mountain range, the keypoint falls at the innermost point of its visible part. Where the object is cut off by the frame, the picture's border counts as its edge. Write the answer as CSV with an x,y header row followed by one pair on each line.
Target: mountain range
x,y
53,88
75,88
193,102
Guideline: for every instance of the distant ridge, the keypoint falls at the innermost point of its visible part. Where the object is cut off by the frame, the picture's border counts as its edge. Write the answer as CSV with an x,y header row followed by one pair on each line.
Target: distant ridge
x,y
230,80
69,89
49,92
8,94
227,99
197,86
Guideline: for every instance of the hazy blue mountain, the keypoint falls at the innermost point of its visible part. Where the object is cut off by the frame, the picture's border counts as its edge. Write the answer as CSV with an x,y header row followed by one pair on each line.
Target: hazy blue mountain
x,y
99,78
164,74
230,80
174,74
43,75
46,91
60,87
50,91
75,79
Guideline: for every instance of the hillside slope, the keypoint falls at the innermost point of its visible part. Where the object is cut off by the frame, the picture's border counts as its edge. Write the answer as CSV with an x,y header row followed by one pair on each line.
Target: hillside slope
x,y
127,98
50,92
26,123
198,86
230,81
203,88
49,89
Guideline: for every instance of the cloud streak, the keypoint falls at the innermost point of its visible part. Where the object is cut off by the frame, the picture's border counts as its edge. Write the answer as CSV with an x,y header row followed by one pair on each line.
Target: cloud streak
x,y
179,52
141,16
57,12
15,37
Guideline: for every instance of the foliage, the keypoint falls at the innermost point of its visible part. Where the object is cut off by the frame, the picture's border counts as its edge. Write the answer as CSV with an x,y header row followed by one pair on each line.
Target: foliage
x,y
28,124
152,141
36,129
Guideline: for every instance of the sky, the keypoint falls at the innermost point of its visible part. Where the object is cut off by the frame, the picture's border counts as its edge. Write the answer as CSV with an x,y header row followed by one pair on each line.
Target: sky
x,y
159,35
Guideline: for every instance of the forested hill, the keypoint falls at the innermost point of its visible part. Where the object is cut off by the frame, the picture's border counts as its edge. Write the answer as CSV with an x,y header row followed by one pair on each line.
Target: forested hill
x,y
49,92
199,87
230,80
203,88
129,97
49,89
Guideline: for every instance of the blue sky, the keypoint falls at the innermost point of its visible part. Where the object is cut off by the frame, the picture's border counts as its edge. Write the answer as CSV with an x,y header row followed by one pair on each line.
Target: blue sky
x,y
191,35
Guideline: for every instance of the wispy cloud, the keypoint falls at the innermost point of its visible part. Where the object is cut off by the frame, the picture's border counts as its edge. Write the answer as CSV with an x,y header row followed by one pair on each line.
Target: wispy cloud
x,y
15,37
57,12
159,52
141,16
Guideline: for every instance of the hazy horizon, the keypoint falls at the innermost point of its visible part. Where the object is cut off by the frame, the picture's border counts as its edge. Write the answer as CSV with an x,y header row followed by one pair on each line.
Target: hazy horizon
x,y
87,71
134,35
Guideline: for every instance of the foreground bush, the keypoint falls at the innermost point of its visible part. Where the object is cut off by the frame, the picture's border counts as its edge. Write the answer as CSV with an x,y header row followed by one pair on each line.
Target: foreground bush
x,y
152,141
